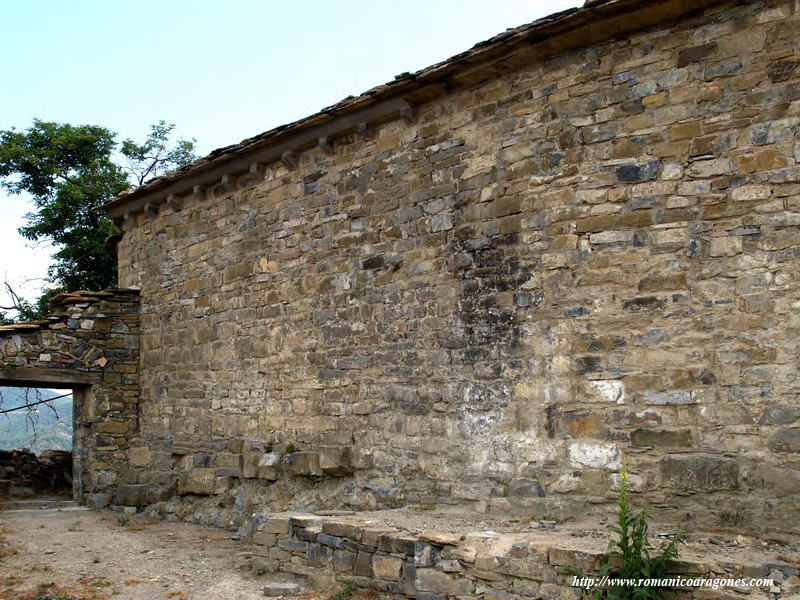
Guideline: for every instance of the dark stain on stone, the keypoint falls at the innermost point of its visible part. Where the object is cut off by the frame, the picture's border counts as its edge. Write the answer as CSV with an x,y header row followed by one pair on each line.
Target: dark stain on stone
x,y
782,70
373,262
695,54
707,378
487,267
637,173
644,303
411,401
588,364
550,421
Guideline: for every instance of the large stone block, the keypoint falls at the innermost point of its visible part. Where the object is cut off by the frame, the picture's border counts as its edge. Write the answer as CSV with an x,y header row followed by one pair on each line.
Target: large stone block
x,y
344,529
140,456
438,582
595,455
269,466
386,567
344,560
228,460
681,438
370,536
363,564
303,463
335,460
139,494
779,415
526,488
785,441
331,540
252,451
586,562
279,525
203,481
113,427
318,555
639,172
699,473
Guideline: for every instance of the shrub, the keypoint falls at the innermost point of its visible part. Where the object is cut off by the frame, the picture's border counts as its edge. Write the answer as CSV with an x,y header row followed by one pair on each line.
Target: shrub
x,y
347,591
631,555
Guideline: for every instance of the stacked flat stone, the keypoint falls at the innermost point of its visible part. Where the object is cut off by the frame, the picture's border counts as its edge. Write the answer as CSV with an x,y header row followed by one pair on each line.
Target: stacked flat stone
x,y
436,565
22,471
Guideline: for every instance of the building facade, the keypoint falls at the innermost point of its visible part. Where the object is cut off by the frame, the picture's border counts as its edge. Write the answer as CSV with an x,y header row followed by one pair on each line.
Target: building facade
x,y
487,285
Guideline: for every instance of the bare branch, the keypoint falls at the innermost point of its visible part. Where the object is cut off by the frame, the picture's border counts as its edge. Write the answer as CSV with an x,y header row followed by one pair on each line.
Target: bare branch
x,y
32,404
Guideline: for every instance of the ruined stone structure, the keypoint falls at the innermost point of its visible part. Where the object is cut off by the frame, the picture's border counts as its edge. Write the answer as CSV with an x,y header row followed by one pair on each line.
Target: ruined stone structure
x,y
24,473
436,564
482,286
89,343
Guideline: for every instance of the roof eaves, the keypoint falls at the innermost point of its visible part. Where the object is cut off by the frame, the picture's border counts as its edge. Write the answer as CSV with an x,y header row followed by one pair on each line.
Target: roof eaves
x,y
544,31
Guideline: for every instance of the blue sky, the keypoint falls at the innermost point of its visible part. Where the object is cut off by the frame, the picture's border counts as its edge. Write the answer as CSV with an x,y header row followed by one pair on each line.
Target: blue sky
x,y
221,71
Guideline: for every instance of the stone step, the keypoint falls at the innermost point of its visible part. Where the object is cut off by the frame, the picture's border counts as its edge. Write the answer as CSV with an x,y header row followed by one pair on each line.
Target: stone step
x,y
44,510
37,504
278,589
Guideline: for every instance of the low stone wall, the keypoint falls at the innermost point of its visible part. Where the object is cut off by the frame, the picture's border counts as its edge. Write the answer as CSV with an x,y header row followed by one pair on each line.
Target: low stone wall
x,y
437,565
22,472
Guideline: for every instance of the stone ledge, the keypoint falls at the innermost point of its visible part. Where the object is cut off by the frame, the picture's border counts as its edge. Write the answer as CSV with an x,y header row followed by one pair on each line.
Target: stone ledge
x,y
436,565
89,296
56,321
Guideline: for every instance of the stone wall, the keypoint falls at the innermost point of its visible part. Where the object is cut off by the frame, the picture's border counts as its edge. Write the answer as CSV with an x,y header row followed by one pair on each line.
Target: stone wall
x,y
22,472
89,343
435,565
589,259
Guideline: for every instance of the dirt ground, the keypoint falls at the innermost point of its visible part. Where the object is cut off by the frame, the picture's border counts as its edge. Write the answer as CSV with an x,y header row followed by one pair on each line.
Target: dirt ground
x,y
104,555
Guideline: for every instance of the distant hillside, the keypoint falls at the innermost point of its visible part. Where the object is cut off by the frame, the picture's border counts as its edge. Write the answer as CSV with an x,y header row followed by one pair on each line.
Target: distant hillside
x,y
43,429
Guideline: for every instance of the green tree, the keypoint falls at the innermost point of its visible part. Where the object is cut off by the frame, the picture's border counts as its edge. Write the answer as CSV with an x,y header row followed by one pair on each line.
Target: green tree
x,y
155,156
70,170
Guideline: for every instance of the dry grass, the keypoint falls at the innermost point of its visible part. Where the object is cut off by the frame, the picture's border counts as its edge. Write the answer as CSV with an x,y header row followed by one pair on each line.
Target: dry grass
x,y
357,594
6,549
95,582
54,592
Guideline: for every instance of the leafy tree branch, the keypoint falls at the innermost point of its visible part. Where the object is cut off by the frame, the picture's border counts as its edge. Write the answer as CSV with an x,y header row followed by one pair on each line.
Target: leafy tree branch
x,y
69,171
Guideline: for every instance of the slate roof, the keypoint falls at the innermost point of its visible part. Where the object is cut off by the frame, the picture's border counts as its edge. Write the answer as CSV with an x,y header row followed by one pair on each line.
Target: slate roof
x,y
540,31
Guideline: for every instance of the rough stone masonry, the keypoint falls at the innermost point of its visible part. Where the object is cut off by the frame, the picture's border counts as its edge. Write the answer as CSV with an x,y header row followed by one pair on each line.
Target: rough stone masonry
x,y
487,284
